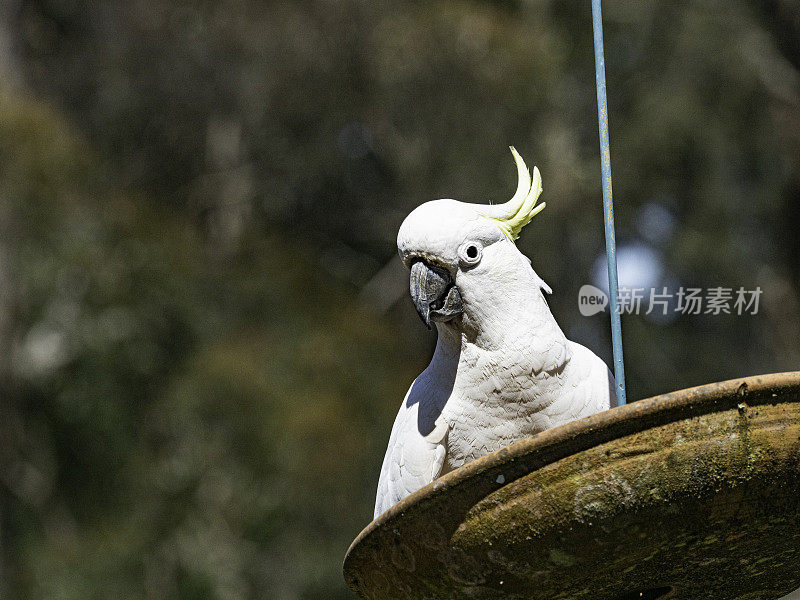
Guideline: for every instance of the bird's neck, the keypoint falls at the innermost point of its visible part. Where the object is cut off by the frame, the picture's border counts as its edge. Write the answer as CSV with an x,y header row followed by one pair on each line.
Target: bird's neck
x,y
512,320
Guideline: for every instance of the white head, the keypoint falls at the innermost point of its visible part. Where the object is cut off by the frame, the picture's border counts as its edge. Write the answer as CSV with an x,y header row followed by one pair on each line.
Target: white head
x,y
465,267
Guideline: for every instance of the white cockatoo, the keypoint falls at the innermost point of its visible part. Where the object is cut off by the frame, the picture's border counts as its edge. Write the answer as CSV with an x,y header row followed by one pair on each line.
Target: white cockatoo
x,y
502,369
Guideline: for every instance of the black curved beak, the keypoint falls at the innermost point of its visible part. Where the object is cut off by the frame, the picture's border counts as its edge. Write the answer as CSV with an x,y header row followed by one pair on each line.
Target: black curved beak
x,y
434,293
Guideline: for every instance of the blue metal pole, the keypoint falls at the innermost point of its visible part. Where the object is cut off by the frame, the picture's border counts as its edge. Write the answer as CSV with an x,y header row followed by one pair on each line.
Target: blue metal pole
x,y
608,205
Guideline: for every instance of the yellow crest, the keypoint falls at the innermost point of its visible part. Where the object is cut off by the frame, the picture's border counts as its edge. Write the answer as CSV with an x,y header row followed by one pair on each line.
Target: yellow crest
x,y
512,216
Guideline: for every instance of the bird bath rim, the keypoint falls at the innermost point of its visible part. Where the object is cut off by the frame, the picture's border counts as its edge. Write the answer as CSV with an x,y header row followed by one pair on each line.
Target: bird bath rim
x,y
489,473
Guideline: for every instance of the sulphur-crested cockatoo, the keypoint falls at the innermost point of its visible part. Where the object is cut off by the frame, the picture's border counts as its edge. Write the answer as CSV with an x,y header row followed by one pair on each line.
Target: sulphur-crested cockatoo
x,y
502,369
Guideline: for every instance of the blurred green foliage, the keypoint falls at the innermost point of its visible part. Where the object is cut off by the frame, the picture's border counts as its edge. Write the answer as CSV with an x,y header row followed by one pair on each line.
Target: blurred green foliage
x,y
174,425
201,348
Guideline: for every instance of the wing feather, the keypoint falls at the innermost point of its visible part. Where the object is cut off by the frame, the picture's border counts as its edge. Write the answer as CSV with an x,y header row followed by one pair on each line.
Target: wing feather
x,y
412,460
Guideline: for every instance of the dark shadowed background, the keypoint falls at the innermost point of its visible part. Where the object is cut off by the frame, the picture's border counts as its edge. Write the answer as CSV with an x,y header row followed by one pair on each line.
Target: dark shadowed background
x,y
204,331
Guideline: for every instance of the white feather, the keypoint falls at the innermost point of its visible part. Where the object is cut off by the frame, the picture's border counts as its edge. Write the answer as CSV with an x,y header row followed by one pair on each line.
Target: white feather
x,y
501,371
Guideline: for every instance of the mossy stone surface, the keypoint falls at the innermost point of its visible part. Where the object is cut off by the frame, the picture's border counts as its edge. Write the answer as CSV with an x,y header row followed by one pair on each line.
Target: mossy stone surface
x,y
690,495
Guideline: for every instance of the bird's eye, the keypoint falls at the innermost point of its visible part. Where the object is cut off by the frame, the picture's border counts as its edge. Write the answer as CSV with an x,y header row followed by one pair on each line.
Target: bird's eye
x,y
470,253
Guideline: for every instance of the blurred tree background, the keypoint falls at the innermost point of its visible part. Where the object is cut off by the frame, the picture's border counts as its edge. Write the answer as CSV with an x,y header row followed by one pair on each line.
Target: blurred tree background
x,y
204,333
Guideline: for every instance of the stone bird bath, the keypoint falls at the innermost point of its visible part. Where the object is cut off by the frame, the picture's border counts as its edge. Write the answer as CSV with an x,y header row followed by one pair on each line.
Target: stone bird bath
x,y
690,495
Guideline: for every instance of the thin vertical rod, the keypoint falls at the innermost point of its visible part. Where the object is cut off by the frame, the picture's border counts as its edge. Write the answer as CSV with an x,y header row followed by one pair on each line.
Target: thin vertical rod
x,y
608,205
